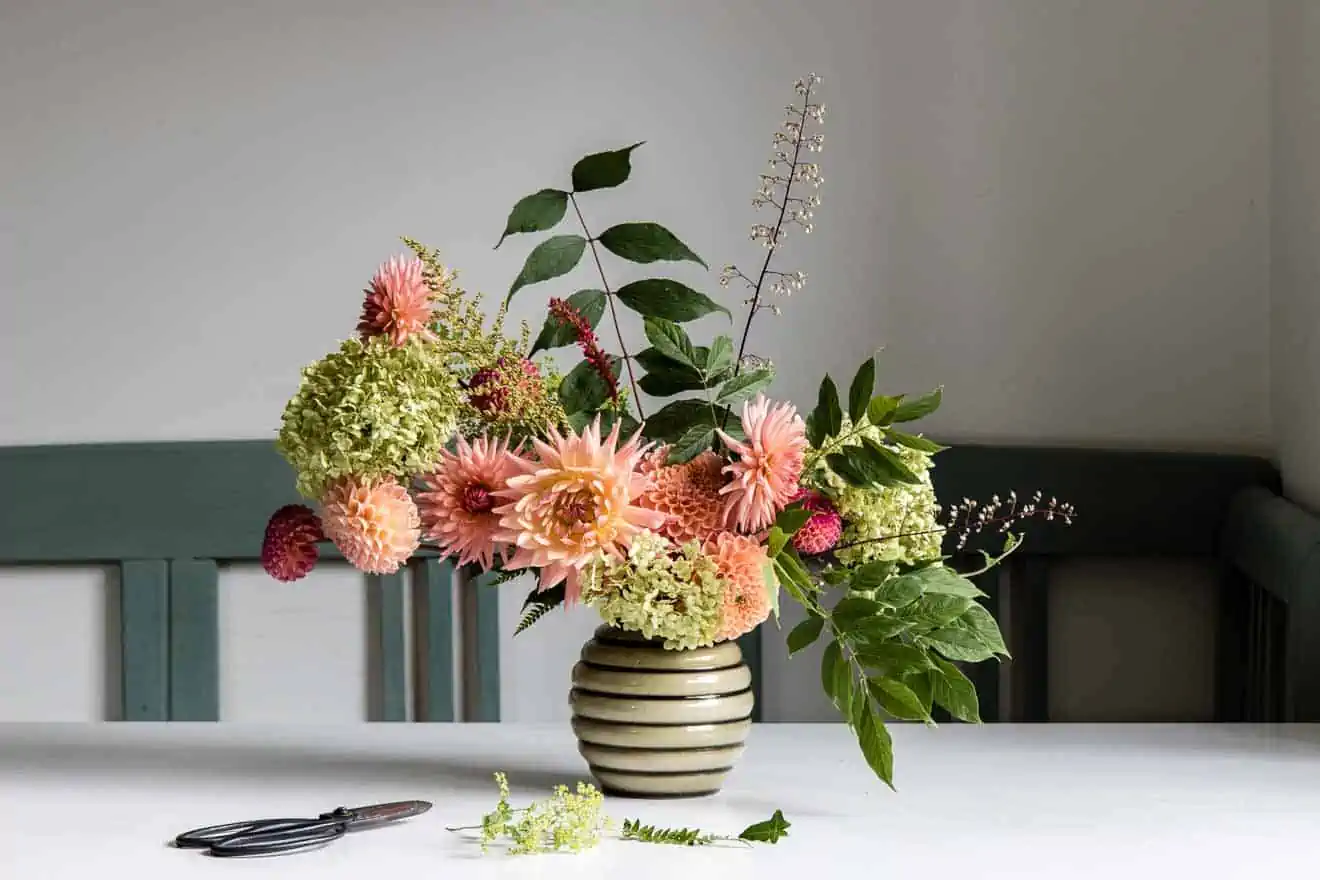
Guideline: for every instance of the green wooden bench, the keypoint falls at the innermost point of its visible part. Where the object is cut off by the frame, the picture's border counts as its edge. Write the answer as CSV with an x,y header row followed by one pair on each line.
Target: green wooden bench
x,y
168,514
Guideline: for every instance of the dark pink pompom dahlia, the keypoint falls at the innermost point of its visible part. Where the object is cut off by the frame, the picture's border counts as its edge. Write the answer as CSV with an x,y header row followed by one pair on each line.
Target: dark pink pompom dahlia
x,y
289,550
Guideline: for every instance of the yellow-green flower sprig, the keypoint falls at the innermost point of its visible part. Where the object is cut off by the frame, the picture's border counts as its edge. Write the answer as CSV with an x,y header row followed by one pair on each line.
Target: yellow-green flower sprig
x,y
907,510
678,599
369,409
567,820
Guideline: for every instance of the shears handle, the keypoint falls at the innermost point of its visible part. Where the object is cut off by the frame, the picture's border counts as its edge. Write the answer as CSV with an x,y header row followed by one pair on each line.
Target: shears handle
x,y
264,836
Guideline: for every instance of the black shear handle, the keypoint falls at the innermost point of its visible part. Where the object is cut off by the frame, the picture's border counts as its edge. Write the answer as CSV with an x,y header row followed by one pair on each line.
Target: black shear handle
x,y
264,836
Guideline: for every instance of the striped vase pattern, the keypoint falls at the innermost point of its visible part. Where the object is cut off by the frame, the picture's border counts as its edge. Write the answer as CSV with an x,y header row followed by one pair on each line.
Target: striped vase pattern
x,y
657,723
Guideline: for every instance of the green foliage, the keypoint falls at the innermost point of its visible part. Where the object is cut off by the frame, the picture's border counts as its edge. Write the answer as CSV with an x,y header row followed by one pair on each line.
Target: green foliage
x,y
694,440
859,394
535,213
911,441
790,519
671,341
674,419
566,821
551,258
805,634
554,333
603,170
670,300
745,385
826,420
633,829
772,830
875,742
920,407
584,390
896,698
538,603
646,243
953,692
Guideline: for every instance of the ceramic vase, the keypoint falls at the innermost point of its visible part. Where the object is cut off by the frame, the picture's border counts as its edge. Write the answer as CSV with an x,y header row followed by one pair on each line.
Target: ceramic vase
x,y
655,723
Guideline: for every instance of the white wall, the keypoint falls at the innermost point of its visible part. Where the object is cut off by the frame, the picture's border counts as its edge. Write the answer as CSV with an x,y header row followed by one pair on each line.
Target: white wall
x,y
1294,237
1055,209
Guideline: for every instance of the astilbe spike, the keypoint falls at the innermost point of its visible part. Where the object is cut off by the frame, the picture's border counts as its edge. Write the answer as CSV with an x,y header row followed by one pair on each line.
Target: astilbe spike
x,y
586,338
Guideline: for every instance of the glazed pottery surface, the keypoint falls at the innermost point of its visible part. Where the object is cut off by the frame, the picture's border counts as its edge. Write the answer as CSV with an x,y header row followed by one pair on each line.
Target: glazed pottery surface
x,y
658,723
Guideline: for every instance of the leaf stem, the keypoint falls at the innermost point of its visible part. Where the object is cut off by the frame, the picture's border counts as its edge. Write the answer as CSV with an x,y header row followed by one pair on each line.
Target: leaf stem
x,y
614,314
774,237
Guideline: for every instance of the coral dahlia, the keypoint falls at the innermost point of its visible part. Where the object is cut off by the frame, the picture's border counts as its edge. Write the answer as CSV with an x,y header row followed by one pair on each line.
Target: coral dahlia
x,y
575,504
768,466
372,521
289,551
690,494
398,303
741,562
457,500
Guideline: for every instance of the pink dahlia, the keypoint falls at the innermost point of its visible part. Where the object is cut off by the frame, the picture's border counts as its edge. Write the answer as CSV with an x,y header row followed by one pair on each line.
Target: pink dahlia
x,y
576,503
398,303
741,562
768,465
457,501
689,494
289,551
373,522
820,533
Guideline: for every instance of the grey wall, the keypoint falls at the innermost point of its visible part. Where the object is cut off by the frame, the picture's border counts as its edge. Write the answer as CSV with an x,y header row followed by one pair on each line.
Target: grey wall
x,y
1056,209
1295,234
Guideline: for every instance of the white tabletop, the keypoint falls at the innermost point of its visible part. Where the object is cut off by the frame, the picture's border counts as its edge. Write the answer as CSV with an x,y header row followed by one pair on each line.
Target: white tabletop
x,y
1054,801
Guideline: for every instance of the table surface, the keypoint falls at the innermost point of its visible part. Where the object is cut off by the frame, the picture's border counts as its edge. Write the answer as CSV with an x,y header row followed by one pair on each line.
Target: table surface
x,y
1059,801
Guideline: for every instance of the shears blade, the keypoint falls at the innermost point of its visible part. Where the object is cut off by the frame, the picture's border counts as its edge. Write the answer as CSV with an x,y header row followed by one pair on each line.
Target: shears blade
x,y
375,813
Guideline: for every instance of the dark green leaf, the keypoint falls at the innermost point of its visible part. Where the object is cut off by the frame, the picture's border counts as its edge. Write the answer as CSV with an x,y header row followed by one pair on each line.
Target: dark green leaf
x,y
769,831
776,541
885,463
551,258
918,407
954,693
897,699
663,298
871,575
932,612
584,390
923,685
829,660
674,419
938,580
957,643
646,243
827,408
720,359
670,379
836,576
881,410
694,441
900,591
671,341
628,425
791,519
875,630
859,394
793,575
603,170
843,685
847,467
744,386
579,420
535,213
806,632
554,333
893,659
982,623
852,609
877,747
911,441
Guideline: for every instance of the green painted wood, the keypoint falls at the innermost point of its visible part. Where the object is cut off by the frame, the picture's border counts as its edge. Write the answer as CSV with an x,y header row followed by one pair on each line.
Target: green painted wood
x,y
1030,637
194,674
752,646
482,693
144,639
391,667
434,604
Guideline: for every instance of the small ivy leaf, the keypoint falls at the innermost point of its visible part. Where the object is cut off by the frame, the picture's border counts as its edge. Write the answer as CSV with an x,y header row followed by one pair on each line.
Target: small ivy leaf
x,y
551,258
554,333
535,213
769,831
663,298
646,243
918,407
603,170
859,394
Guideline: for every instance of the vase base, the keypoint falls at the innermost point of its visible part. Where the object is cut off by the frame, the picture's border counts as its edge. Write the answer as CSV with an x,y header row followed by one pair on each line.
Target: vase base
x,y
655,796
666,785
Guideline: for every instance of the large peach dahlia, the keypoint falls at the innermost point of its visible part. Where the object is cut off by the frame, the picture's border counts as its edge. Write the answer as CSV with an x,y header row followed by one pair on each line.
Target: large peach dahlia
x,y
372,521
574,504
741,563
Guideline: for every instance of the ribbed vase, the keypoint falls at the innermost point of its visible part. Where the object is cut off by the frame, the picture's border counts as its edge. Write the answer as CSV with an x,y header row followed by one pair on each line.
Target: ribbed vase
x,y
657,723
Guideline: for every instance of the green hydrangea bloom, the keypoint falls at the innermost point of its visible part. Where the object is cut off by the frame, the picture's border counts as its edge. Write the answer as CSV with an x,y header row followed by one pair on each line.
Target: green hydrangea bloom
x,y
369,409
884,511
679,600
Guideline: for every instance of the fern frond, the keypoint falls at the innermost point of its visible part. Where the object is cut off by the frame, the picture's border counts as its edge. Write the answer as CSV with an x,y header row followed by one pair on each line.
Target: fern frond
x,y
531,614
538,604
633,829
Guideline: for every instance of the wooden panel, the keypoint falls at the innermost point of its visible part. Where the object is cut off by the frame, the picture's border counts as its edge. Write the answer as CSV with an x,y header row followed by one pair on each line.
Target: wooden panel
x,y
194,641
433,606
144,639
482,661
391,661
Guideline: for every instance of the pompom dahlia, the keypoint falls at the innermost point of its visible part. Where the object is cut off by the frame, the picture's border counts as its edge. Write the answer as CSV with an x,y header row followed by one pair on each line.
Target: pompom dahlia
x,y
398,303
373,522
820,533
574,505
689,494
289,551
741,563
457,500
768,465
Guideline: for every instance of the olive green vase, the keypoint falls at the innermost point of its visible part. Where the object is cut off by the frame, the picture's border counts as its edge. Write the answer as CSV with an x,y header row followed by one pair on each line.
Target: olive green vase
x,y
657,723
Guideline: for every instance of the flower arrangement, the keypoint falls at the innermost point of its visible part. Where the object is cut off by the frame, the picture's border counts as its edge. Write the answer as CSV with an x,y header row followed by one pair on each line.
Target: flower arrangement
x,y
682,524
